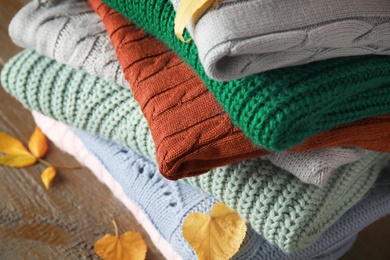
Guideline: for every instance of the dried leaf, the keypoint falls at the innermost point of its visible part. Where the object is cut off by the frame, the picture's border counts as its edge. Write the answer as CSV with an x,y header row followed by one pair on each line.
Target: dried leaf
x,y
18,161
217,236
48,175
38,143
12,146
129,246
190,9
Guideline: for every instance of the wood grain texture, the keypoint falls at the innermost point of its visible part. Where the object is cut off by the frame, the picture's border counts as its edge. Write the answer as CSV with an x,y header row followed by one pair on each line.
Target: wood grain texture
x,y
65,221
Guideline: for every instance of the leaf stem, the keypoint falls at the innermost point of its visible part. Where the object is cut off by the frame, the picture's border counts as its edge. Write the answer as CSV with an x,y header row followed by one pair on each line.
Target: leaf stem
x,y
116,228
68,167
205,201
44,162
58,166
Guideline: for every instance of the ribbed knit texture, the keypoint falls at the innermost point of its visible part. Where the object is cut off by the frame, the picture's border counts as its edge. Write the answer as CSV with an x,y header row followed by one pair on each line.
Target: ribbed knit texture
x,y
287,212
70,32
78,99
190,113
251,182
241,179
241,37
129,169
110,111
281,108
179,107
315,167
191,131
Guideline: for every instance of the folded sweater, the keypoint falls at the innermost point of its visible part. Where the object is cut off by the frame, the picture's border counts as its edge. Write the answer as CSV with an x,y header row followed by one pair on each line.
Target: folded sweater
x,y
281,108
285,211
132,185
90,103
164,96
241,37
184,118
316,166
70,32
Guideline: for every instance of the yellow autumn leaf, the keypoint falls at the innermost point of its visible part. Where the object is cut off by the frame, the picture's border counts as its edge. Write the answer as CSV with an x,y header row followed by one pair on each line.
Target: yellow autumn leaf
x,y
18,161
217,236
128,246
48,175
12,146
38,143
190,9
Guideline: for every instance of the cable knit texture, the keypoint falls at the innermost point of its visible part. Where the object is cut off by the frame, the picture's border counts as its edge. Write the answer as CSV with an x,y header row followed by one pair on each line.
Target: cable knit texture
x,y
179,107
281,108
210,139
251,182
331,245
90,103
173,155
70,32
191,131
241,37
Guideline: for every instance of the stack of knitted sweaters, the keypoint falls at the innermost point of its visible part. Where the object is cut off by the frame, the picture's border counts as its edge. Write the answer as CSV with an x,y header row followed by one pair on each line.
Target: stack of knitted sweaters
x,y
279,110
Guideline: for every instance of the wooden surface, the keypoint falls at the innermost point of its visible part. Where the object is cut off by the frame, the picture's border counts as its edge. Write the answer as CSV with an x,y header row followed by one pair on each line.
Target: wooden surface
x,y
65,221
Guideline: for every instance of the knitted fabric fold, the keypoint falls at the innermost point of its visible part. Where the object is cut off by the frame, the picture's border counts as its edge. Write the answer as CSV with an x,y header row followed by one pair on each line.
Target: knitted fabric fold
x,y
128,169
281,108
287,212
315,167
238,38
183,103
122,170
294,214
176,158
78,99
110,111
70,32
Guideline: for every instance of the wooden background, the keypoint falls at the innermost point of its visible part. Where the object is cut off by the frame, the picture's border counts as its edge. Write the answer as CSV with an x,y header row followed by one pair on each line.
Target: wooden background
x,y
65,221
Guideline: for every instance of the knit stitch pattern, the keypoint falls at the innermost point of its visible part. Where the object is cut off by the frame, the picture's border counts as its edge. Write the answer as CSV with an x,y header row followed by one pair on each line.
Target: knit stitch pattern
x,y
374,205
78,99
287,212
90,103
315,167
179,107
190,113
133,173
281,108
241,37
70,32
252,182
154,72
191,131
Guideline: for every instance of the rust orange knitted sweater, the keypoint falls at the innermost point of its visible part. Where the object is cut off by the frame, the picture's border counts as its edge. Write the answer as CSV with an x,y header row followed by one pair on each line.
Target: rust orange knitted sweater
x,y
191,131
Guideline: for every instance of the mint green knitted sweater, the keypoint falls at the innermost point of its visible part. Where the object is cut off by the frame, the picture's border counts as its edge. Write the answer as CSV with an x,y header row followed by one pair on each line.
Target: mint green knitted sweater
x,y
287,212
279,109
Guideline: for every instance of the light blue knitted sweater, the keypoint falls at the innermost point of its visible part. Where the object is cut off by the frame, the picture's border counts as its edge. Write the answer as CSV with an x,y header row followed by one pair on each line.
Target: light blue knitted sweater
x,y
167,203
285,211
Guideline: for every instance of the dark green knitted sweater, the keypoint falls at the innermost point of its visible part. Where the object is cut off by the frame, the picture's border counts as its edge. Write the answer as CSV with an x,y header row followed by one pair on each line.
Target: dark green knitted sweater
x,y
281,108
